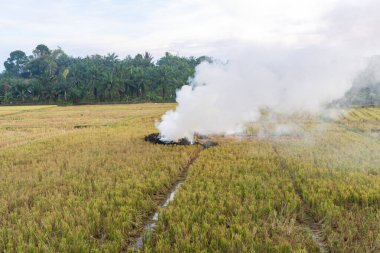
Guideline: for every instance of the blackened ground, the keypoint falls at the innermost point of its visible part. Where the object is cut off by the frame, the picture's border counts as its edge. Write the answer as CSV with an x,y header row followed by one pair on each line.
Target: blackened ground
x,y
155,138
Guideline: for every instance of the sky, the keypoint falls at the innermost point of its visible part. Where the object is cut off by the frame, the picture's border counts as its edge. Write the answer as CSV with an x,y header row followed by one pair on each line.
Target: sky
x,y
186,27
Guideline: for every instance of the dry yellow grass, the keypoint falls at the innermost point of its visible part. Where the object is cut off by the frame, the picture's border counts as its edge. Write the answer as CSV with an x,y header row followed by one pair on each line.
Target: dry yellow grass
x,y
312,190
82,179
86,188
40,122
7,110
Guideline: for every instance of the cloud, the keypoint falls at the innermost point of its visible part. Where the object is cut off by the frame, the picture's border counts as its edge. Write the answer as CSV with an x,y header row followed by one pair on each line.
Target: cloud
x,y
190,27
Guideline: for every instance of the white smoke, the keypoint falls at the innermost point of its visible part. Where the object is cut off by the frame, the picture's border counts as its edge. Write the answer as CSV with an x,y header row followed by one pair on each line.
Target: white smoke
x,y
223,98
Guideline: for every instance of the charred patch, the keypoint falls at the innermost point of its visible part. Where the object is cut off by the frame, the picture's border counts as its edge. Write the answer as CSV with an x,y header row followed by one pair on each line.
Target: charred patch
x,y
155,138
205,142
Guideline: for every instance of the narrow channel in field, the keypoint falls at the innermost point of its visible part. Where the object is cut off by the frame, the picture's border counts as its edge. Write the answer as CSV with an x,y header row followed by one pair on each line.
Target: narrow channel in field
x,y
150,226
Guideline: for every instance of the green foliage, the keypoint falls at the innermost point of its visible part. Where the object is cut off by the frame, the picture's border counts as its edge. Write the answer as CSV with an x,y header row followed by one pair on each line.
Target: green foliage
x,y
365,90
15,64
51,76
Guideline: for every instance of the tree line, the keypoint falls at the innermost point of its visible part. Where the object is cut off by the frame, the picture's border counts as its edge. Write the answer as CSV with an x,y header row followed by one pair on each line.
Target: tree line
x,y
52,76
365,89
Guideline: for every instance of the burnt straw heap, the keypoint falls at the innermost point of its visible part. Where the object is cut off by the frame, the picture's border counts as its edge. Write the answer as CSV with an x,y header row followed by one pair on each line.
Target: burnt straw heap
x,y
155,138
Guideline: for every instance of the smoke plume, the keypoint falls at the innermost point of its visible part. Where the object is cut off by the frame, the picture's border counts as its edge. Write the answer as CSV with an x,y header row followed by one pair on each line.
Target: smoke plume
x,y
224,96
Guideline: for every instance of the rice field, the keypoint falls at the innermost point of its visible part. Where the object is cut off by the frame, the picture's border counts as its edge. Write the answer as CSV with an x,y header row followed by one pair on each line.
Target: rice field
x,y
82,179
9,110
362,114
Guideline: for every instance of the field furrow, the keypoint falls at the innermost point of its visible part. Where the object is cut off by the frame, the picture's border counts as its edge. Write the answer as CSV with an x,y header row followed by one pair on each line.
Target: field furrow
x,y
235,199
82,179
89,190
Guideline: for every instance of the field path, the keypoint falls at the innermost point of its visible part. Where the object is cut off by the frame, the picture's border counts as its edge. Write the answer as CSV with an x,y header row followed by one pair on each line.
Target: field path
x,y
150,224
306,217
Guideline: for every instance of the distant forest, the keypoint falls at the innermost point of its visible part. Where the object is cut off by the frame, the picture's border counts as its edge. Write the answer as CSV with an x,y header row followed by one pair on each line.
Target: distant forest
x,y
52,76
365,90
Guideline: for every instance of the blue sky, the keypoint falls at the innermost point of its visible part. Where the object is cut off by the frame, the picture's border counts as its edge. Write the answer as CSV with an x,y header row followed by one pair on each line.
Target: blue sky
x,y
186,27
